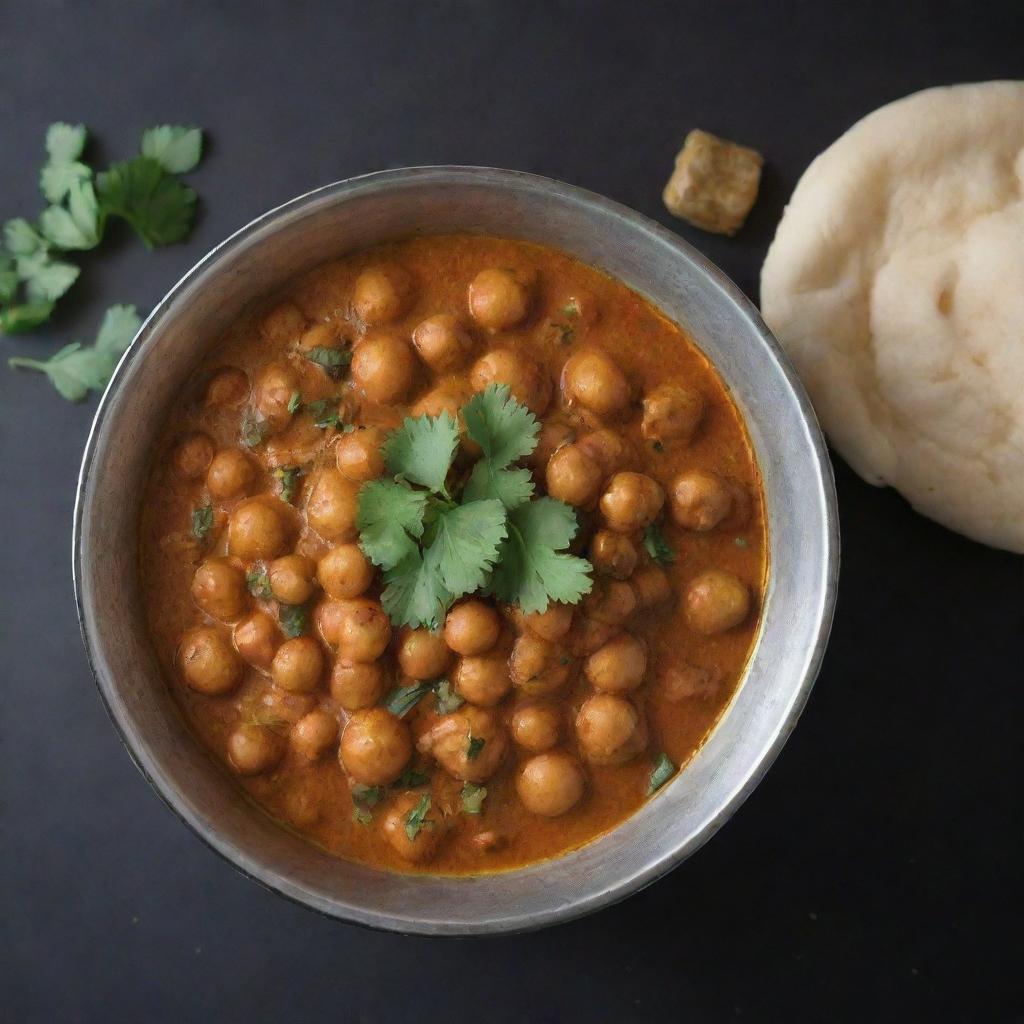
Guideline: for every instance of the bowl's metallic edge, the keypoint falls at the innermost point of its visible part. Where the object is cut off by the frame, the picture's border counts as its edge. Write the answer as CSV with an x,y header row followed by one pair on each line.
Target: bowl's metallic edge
x,y
825,495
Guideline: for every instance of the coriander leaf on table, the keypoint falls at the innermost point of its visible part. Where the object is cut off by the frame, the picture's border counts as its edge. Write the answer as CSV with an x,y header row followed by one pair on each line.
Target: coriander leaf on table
x,y
414,594
57,180
8,278
45,279
532,569
466,539
158,206
390,516
21,238
422,450
176,148
24,317
79,225
65,142
504,429
512,487
120,324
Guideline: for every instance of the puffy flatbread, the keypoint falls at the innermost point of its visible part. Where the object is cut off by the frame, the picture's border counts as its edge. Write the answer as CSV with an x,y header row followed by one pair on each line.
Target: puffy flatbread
x,y
896,283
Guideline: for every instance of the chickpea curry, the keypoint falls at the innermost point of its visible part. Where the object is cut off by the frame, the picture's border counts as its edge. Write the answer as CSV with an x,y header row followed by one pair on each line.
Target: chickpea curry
x,y
453,553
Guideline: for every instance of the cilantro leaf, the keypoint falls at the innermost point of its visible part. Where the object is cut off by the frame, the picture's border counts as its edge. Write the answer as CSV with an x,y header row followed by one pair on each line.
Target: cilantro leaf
x,y
79,225
202,521
367,796
23,317
325,413
390,516
333,361
294,402
422,450
258,583
158,206
447,699
8,278
57,180
21,238
417,818
361,816
252,429
176,148
466,540
65,142
473,798
45,279
512,487
75,370
473,747
504,429
414,594
532,569
657,546
663,770
293,619
289,479
411,778
401,700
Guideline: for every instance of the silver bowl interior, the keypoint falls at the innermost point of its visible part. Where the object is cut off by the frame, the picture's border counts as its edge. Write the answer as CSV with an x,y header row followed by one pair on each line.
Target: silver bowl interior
x,y
797,606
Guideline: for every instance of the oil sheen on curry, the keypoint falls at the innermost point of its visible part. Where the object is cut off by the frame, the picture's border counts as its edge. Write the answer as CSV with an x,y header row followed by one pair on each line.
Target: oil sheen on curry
x,y
453,554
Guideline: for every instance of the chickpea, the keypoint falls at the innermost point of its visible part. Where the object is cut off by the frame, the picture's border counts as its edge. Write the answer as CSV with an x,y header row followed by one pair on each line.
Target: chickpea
x,y
218,588
715,601
499,299
333,506
425,841
700,500
686,682
321,336
671,413
282,324
344,571
227,388
328,616
593,380
273,390
652,588
538,667
483,680
423,655
208,663
550,784
254,749
375,747
611,601
573,476
607,448
552,623
282,706
471,628
231,473
291,579
553,435
610,730
536,727
448,397
298,665
528,383
618,666
631,501
382,294
613,554
257,529
193,455
364,632
589,635
443,342
357,685
314,734
360,454
256,638
469,744
384,366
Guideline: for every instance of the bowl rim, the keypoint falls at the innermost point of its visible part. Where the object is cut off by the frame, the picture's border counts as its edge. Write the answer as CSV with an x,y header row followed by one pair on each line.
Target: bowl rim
x,y
825,498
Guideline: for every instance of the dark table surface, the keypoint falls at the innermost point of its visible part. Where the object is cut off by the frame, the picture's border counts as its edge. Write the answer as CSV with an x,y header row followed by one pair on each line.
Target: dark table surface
x,y
874,873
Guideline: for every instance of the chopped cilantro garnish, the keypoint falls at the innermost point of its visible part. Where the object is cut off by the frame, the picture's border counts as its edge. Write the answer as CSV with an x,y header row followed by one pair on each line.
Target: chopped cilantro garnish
x,y
741,542
325,413
293,619
657,546
258,583
417,818
412,778
289,479
448,700
294,401
361,816
663,770
473,747
367,796
202,521
253,429
332,360
401,700
473,798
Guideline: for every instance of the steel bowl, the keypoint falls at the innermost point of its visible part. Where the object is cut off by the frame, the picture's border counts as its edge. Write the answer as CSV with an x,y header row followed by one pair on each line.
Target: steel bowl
x,y
801,515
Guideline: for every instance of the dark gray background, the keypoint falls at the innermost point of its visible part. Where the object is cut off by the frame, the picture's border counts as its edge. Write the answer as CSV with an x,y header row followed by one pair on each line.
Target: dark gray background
x,y
873,874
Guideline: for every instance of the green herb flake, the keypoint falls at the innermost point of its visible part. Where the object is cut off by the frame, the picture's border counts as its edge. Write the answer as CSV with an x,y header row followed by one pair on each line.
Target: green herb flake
x,y
657,546
293,618
325,413
401,700
474,746
412,778
202,521
367,796
417,818
253,429
473,798
294,402
334,361
657,446
258,583
571,309
361,816
663,770
447,698
741,542
288,477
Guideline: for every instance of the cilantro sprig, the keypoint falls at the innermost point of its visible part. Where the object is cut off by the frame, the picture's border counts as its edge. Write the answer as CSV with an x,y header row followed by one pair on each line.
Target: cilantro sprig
x,y
436,542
